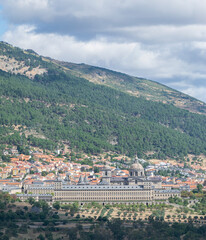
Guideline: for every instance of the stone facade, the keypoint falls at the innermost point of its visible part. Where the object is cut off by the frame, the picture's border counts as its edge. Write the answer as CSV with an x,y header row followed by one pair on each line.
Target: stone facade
x,y
111,194
135,188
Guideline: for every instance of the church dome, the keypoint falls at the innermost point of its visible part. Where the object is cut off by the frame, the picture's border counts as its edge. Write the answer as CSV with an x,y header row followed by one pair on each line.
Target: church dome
x,y
137,166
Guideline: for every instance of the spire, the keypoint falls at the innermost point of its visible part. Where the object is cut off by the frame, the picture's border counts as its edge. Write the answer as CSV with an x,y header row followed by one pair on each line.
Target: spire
x,y
67,178
58,178
81,180
86,179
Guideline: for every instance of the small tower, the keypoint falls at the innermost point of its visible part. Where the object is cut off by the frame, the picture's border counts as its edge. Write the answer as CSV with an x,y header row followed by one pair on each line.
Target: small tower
x,y
67,179
106,174
58,182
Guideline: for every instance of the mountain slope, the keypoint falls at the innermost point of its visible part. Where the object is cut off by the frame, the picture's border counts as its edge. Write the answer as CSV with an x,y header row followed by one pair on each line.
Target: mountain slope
x,y
134,86
53,107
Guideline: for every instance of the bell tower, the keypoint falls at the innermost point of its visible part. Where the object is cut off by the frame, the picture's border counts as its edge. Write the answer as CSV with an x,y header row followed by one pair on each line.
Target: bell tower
x,y
106,175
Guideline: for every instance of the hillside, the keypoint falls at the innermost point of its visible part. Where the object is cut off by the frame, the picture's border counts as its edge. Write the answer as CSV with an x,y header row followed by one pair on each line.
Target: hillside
x,y
134,86
45,104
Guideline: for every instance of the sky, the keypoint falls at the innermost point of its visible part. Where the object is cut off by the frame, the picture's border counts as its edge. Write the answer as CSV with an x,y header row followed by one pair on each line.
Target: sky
x,y
161,40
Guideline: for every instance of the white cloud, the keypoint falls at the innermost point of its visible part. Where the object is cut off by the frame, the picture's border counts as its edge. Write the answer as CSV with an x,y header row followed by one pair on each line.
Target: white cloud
x,y
158,39
21,10
165,34
170,10
133,57
197,92
97,17
127,56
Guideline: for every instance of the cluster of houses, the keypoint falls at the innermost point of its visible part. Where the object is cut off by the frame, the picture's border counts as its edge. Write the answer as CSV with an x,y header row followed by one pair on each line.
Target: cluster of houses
x,y
25,174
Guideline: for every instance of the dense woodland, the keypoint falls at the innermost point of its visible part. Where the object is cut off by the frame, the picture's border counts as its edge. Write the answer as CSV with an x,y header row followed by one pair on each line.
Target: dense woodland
x,y
92,118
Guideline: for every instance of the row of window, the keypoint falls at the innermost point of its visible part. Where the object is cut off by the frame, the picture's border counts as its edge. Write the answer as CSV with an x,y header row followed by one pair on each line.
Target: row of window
x,y
73,198
101,193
